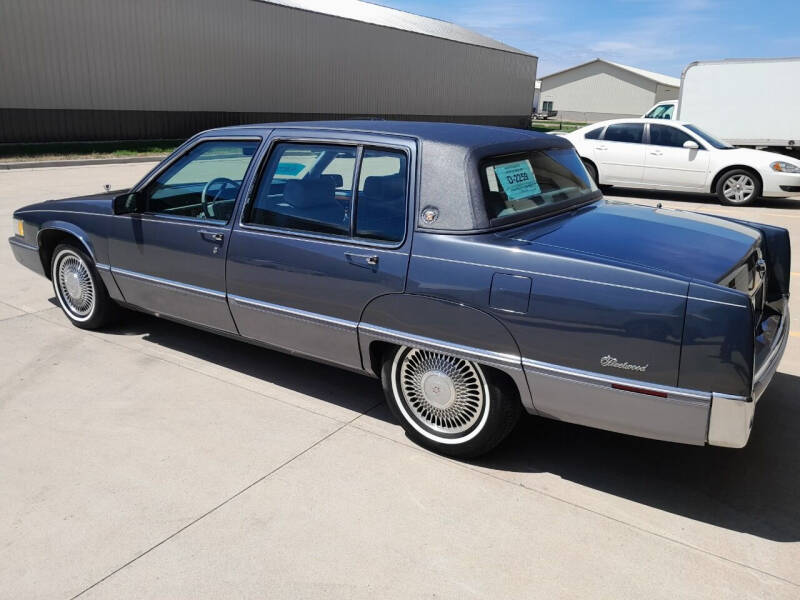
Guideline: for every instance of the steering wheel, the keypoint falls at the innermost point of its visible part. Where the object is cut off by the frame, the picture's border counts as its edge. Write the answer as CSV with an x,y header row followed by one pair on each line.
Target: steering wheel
x,y
205,203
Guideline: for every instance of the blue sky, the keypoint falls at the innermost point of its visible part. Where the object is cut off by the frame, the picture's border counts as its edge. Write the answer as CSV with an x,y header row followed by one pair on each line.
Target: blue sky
x,y
659,35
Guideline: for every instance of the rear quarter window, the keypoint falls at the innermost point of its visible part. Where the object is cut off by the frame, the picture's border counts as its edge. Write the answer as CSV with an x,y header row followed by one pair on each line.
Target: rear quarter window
x,y
594,134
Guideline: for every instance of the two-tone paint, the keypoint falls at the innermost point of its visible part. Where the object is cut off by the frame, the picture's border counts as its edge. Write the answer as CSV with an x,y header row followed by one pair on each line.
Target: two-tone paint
x,y
609,315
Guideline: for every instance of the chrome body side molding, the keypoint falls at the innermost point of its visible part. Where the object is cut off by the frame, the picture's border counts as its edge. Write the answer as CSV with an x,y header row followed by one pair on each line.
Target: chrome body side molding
x,y
608,381
617,404
169,283
294,313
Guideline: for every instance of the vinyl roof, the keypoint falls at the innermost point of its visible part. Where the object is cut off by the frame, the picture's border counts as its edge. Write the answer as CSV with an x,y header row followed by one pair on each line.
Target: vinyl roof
x,y
383,16
652,76
450,155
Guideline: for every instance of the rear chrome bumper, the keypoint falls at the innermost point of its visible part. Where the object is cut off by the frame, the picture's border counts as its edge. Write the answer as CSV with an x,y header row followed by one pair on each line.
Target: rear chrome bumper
x,y
731,419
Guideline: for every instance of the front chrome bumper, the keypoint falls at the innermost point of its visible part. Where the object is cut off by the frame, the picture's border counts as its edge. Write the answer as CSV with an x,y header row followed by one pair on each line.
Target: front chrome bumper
x,y
731,418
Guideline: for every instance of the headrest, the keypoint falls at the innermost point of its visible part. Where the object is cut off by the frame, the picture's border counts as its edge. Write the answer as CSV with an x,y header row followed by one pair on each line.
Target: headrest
x,y
309,193
386,186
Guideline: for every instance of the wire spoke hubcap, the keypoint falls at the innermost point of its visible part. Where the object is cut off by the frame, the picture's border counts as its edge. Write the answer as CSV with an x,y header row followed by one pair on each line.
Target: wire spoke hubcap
x,y
739,188
75,285
443,392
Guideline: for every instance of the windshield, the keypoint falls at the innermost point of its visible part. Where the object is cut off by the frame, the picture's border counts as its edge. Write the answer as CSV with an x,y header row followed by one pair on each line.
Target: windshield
x,y
709,138
539,181
662,111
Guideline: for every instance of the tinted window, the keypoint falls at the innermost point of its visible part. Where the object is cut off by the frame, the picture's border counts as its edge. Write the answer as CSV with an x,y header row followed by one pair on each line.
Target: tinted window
x,y
381,199
306,187
709,138
661,112
664,135
203,183
624,132
594,134
536,181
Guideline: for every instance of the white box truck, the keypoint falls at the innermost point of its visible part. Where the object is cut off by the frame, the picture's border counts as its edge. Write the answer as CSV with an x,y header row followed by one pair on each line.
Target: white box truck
x,y
746,102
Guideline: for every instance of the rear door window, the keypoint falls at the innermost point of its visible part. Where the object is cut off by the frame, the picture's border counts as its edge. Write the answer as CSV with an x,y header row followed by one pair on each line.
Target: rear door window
x,y
625,132
381,198
306,187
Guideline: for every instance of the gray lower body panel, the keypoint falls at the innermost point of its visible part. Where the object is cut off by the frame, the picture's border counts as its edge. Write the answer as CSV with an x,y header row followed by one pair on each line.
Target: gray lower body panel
x,y
205,307
604,407
26,255
326,338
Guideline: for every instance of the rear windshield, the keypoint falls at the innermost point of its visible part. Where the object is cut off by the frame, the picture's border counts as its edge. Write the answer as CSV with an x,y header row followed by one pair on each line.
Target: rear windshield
x,y
540,181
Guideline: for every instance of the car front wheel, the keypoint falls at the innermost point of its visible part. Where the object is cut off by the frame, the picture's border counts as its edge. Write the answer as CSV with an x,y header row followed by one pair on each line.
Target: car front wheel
x,y
738,188
448,404
79,290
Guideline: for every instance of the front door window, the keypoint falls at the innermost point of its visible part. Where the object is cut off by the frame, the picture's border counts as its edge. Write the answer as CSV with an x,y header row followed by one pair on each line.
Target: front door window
x,y
204,182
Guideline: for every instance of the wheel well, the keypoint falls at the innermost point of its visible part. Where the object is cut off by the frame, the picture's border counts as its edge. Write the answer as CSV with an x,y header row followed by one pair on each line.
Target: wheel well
x,y
719,175
379,349
590,161
49,239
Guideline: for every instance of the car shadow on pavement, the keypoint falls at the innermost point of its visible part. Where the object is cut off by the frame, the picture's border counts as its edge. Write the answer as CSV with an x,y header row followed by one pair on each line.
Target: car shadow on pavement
x,y
630,194
299,375
753,490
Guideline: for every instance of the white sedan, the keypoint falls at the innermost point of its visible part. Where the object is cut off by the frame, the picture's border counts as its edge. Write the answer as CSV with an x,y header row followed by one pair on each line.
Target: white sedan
x,y
678,156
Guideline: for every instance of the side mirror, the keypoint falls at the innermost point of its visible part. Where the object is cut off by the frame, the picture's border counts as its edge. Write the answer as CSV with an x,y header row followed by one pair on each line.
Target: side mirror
x,y
132,202
691,145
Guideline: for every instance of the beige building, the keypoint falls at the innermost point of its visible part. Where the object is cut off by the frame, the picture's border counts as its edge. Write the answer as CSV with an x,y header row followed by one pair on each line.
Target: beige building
x,y
600,89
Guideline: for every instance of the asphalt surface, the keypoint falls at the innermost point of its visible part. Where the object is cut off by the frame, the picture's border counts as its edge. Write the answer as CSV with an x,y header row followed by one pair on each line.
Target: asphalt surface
x,y
153,460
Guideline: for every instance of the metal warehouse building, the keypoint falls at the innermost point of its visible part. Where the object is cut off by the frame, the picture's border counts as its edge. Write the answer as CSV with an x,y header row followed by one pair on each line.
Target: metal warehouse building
x,y
600,89
147,69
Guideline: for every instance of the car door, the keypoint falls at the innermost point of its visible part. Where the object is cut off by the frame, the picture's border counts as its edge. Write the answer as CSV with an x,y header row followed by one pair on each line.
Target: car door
x,y
668,165
325,230
170,258
619,155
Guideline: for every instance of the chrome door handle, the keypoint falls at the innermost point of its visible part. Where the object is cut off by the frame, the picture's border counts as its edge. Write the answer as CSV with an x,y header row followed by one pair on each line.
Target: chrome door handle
x,y
362,260
657,153
212,236
601,148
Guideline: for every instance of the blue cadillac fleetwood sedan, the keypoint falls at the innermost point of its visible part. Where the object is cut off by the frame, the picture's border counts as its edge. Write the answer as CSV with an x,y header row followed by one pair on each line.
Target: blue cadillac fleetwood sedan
x,y
477,271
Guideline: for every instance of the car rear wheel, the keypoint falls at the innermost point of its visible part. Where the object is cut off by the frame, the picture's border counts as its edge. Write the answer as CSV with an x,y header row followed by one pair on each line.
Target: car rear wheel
x,y
448,404
80,291
738,188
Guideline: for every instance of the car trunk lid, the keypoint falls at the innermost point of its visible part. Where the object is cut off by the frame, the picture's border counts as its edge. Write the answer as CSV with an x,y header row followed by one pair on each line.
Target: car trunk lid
x,y
687,244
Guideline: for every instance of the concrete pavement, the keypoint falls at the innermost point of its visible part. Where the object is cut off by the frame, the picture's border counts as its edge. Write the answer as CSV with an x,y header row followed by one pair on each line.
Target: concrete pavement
x,y
157,461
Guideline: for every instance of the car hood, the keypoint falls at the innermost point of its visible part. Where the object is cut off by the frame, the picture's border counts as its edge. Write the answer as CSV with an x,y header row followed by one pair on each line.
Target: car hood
x,y
94,203
687,244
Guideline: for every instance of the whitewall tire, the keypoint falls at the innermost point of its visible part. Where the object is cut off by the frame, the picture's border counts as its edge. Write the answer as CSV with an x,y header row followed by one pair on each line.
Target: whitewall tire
x,y
448,404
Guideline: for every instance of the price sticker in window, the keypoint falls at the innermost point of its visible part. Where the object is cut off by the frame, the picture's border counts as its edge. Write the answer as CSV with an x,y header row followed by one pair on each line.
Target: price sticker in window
x,y
517,180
